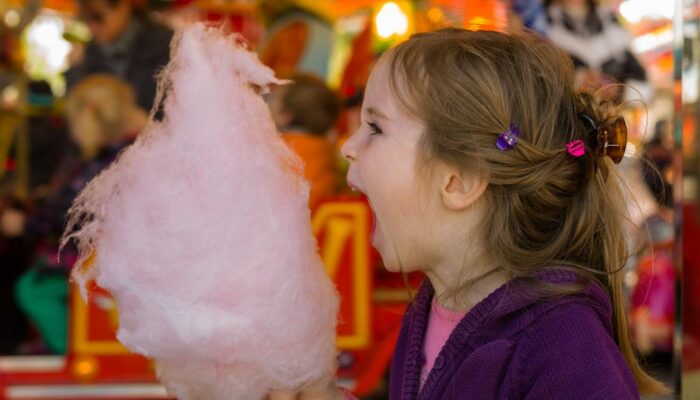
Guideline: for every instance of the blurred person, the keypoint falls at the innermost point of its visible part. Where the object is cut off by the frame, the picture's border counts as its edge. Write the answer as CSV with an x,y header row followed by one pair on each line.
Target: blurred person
x,y
305,113
15,253
47,140
125,43
652,301
103,119
49,144
653,296
658,168
598,44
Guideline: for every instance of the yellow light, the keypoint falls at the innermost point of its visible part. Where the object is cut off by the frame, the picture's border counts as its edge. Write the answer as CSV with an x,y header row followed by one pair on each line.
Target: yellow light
x,y
391,21
477,23
84,367
636,10
653,40
47,49
12,18
9,96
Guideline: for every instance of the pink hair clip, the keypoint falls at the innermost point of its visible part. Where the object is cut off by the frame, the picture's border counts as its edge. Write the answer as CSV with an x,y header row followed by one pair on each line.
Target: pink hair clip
x,y
576,148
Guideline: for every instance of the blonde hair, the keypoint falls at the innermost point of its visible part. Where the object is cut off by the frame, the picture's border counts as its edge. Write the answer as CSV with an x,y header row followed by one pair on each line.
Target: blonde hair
x,y
106,106
549,209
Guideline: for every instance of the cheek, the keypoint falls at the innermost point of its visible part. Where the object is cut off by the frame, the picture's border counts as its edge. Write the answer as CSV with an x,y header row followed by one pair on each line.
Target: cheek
x,y
389,180
405,222
395,188
398,214
383,163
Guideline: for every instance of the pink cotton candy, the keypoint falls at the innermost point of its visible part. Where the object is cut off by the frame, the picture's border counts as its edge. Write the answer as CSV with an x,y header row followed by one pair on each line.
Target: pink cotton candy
x,y
202,234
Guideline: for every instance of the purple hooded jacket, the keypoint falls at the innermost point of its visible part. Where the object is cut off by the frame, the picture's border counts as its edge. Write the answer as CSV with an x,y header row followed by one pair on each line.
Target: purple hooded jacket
x,y
510,346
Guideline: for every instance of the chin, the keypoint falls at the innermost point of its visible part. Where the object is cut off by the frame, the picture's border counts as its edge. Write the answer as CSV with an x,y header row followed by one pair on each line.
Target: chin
x,y
391,264
392,267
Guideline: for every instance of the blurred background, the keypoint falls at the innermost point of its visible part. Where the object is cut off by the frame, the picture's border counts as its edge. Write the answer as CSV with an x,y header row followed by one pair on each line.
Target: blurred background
x,y
77,86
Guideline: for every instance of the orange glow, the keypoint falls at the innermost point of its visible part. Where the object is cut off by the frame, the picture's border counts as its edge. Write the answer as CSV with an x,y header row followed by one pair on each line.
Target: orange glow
x,y
67,6
85,367
487,15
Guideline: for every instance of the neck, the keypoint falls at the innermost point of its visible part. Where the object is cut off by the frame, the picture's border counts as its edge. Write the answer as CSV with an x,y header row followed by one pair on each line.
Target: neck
x,y
460,289
463,278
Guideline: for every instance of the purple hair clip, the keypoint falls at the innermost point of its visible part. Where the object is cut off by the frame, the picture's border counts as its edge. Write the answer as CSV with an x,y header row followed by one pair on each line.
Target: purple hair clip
x,y
508,140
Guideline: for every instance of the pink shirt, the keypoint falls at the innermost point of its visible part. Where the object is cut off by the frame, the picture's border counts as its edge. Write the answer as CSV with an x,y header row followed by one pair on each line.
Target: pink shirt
x,y
441,323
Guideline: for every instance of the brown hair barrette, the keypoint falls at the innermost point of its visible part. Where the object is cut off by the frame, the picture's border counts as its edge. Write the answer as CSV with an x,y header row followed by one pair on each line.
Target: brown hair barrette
x,y
610,139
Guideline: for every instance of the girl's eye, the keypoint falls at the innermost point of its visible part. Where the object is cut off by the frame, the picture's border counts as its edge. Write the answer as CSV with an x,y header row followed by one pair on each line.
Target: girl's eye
x,y
374,129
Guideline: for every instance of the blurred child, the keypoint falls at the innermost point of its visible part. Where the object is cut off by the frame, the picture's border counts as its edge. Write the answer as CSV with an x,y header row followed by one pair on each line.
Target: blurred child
x,y
103,118
305,113
653,296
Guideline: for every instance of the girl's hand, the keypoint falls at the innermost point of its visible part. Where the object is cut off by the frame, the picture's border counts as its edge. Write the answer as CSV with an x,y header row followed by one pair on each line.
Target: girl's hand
x,y
327,391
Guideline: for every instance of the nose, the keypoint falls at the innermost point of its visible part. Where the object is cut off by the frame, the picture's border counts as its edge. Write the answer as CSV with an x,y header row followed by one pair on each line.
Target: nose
x,y
349,149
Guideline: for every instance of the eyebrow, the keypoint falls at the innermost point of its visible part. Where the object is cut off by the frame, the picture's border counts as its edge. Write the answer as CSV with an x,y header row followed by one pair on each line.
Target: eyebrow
x,y
376,112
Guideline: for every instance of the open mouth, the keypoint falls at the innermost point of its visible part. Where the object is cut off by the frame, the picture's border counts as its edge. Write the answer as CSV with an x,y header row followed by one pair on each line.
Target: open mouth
x,y
373,231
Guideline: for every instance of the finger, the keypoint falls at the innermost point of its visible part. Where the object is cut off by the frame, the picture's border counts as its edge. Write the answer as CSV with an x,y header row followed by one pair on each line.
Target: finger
x,y
328,392
282,395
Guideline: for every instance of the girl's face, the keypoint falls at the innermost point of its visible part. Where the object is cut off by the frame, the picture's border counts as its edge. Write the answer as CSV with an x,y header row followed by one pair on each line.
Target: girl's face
x,y
106,21
382,155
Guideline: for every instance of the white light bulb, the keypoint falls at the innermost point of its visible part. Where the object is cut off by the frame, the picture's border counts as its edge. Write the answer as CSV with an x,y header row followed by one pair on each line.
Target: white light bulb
x,y
391,20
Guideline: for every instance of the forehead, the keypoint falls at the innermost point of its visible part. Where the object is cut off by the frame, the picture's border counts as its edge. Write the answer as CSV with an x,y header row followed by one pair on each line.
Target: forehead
x,y
379,94
382,94
379,76
382,97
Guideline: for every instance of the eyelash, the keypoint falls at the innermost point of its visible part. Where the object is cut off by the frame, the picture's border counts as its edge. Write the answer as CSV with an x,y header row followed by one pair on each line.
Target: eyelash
x,y
375,129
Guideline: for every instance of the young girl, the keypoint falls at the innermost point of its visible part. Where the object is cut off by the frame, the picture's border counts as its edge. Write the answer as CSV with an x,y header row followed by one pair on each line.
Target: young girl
x,y
490,173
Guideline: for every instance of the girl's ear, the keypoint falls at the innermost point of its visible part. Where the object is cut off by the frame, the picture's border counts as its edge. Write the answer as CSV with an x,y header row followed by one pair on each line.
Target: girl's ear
x,y
458,190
